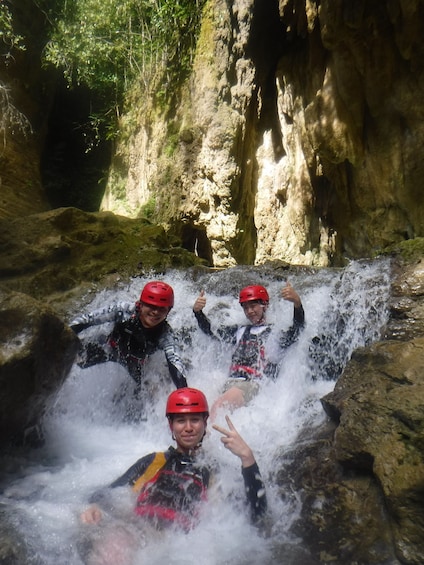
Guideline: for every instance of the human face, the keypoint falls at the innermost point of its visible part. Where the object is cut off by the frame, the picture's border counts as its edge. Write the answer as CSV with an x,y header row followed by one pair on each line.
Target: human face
x,y
188,430
150,315
254,311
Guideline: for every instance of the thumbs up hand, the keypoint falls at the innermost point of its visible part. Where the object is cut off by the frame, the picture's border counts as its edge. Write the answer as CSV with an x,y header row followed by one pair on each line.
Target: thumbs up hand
x,y
288,293
200,302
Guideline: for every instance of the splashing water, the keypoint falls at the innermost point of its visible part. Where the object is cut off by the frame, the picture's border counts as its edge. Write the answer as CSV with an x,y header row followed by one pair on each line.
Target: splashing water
x,y
88,444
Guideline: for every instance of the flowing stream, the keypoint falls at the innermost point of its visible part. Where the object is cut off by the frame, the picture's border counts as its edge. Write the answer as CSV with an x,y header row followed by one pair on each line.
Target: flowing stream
x,y
88,444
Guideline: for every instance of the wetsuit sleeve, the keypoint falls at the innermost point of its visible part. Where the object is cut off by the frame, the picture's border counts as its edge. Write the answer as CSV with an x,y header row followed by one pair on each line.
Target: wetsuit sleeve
x,y
95,352
299,315
90,354
106,348
134,472
113,313
255,491
175,365
290,336
225,333
203,323
103,497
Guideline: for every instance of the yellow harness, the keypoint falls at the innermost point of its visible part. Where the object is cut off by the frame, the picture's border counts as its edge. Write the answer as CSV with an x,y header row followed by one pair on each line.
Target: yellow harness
x,y
158,462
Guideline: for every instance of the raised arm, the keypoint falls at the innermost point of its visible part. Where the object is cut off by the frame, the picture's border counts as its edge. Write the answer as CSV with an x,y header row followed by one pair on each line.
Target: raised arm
x,y
288,293
254,486
112,313
202,321
175,365
225,333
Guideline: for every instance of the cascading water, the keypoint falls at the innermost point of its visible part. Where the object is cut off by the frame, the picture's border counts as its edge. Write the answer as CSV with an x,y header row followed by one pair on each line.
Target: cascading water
x,y
88,444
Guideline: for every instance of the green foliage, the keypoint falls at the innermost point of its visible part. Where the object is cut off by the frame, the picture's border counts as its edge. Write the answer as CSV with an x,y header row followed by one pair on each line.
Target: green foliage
x,y
10,117
110,46
107,45
148,210
9,40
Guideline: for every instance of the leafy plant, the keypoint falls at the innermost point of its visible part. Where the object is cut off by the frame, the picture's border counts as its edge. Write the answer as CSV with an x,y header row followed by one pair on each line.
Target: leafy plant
x,y
108,45
9,40
148,210
10,117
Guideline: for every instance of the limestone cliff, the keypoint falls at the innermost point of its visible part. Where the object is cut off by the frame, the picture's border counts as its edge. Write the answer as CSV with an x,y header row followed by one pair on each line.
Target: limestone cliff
x,y
297,136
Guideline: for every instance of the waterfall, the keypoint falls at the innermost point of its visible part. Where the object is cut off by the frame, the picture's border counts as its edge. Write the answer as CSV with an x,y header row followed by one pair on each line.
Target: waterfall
x,y
88,444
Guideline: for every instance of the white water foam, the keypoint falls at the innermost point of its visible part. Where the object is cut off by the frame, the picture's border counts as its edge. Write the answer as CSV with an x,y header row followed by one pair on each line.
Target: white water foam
x,y
88,445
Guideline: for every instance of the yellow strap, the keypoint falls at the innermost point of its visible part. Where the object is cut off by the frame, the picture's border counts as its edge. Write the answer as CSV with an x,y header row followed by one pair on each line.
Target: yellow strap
x,y
158,462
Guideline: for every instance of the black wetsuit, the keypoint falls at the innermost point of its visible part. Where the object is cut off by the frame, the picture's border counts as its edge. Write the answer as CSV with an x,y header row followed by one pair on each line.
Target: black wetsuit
x,y
250,359
130,344
176,484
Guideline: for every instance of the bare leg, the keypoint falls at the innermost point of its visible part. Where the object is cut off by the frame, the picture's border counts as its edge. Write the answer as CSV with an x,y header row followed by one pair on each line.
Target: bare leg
x,y
115,548
231,399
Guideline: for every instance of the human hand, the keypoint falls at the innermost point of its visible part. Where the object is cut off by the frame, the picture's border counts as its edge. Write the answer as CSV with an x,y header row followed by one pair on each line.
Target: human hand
x,y
288,293
200,302
233,441
92,515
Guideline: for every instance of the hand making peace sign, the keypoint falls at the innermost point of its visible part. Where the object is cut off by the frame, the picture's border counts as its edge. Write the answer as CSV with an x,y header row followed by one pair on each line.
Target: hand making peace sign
x,y
233,441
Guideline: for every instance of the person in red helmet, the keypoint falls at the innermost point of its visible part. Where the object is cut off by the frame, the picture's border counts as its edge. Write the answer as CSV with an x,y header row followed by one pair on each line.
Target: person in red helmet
x,y
138,332
250,361
169,487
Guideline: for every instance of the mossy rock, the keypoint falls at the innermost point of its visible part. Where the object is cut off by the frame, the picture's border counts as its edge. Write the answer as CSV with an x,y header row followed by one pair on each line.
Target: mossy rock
x,y
61,250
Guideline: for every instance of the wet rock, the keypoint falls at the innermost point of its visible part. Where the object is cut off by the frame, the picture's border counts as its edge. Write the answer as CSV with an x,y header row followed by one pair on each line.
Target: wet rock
x,y
360,477
36,353
337,507
407,301
379,405
13,550
59,256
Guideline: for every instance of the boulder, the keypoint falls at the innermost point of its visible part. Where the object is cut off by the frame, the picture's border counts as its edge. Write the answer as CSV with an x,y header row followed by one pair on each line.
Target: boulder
x,y
359,477
379,404
36,353
58,256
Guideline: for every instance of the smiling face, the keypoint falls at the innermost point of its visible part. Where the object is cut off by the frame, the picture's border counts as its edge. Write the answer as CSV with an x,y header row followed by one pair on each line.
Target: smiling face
x,y
188,430
254,311
150,315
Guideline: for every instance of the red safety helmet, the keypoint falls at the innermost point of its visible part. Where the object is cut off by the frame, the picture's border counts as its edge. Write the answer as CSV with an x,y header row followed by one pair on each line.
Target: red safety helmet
x,y
254,292
157,293
187,401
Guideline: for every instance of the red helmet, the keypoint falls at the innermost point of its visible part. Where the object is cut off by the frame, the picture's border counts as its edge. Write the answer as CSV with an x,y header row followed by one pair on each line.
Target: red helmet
x,y
187,401
254,292
157,293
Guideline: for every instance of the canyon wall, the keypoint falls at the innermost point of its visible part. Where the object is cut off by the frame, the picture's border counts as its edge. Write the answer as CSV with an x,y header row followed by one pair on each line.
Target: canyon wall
x,y
297,136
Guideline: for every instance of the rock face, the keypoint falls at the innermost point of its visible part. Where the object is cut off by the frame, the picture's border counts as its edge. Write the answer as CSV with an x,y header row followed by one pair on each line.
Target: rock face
x,y
36,353
361,477
379,403
25,97
48,261
298,136
49,255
